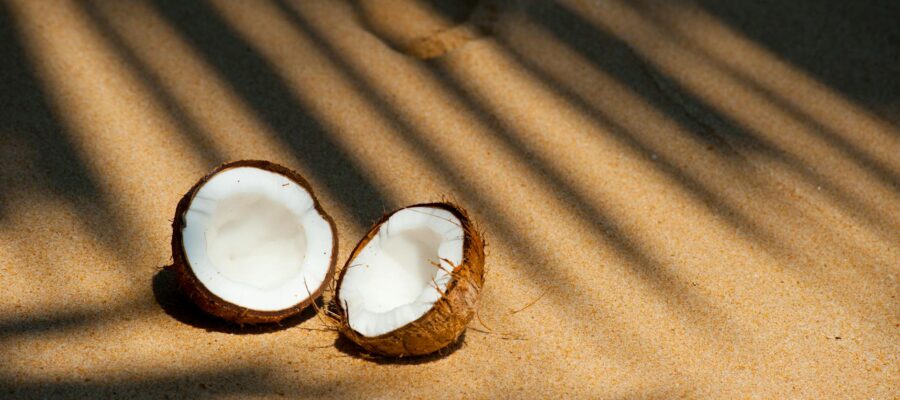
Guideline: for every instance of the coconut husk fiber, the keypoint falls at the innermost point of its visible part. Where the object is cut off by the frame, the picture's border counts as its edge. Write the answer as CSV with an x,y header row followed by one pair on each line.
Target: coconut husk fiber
x,y
446,321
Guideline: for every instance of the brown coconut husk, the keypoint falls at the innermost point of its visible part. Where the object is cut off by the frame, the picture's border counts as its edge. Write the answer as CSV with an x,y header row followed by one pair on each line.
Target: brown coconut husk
x,y
443,324
209,302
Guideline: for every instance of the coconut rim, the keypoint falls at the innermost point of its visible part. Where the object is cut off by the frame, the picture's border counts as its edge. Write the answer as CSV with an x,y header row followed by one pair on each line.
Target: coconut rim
x,y
186,271
468,236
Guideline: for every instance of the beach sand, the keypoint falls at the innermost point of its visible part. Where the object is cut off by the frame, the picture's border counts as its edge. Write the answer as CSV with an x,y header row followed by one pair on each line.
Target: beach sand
x,y
692,199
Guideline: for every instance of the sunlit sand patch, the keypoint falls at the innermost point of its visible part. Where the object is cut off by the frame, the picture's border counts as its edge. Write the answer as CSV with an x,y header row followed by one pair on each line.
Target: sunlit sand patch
x,y
226,121
93,110
31,269
852,122
364,134
205,96
744,196
834,180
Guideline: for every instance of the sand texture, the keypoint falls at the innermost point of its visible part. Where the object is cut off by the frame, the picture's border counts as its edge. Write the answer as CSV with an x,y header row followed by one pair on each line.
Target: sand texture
x,y
681,199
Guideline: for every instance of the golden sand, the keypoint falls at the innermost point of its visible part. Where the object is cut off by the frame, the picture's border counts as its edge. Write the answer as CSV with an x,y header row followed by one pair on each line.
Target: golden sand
x,y
680,199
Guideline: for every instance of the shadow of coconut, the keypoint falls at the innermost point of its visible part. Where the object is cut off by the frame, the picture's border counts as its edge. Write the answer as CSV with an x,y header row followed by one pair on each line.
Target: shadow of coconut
x,y
346,346
178,306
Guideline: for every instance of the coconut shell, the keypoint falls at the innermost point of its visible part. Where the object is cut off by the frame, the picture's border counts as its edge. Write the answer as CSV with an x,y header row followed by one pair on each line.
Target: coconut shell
x,y
209,302
443,324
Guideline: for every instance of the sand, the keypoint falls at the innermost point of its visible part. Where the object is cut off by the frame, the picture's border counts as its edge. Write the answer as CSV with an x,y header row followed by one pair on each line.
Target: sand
x,y
693,199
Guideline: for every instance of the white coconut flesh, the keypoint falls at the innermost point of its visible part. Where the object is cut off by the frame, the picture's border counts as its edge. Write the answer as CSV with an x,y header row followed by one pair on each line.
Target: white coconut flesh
x,y
255,239
402,271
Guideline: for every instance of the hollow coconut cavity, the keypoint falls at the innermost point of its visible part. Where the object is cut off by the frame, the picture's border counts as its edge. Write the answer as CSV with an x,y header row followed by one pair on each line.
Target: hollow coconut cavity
x,y
251,243
412,284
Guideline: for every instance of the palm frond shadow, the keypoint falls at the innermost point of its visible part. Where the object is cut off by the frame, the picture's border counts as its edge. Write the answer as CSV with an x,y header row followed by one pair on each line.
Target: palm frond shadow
x,y
265,91
32,127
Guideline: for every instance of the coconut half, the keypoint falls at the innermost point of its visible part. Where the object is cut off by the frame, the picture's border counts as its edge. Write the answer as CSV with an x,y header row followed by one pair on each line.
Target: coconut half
x,y
251,243
412,283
